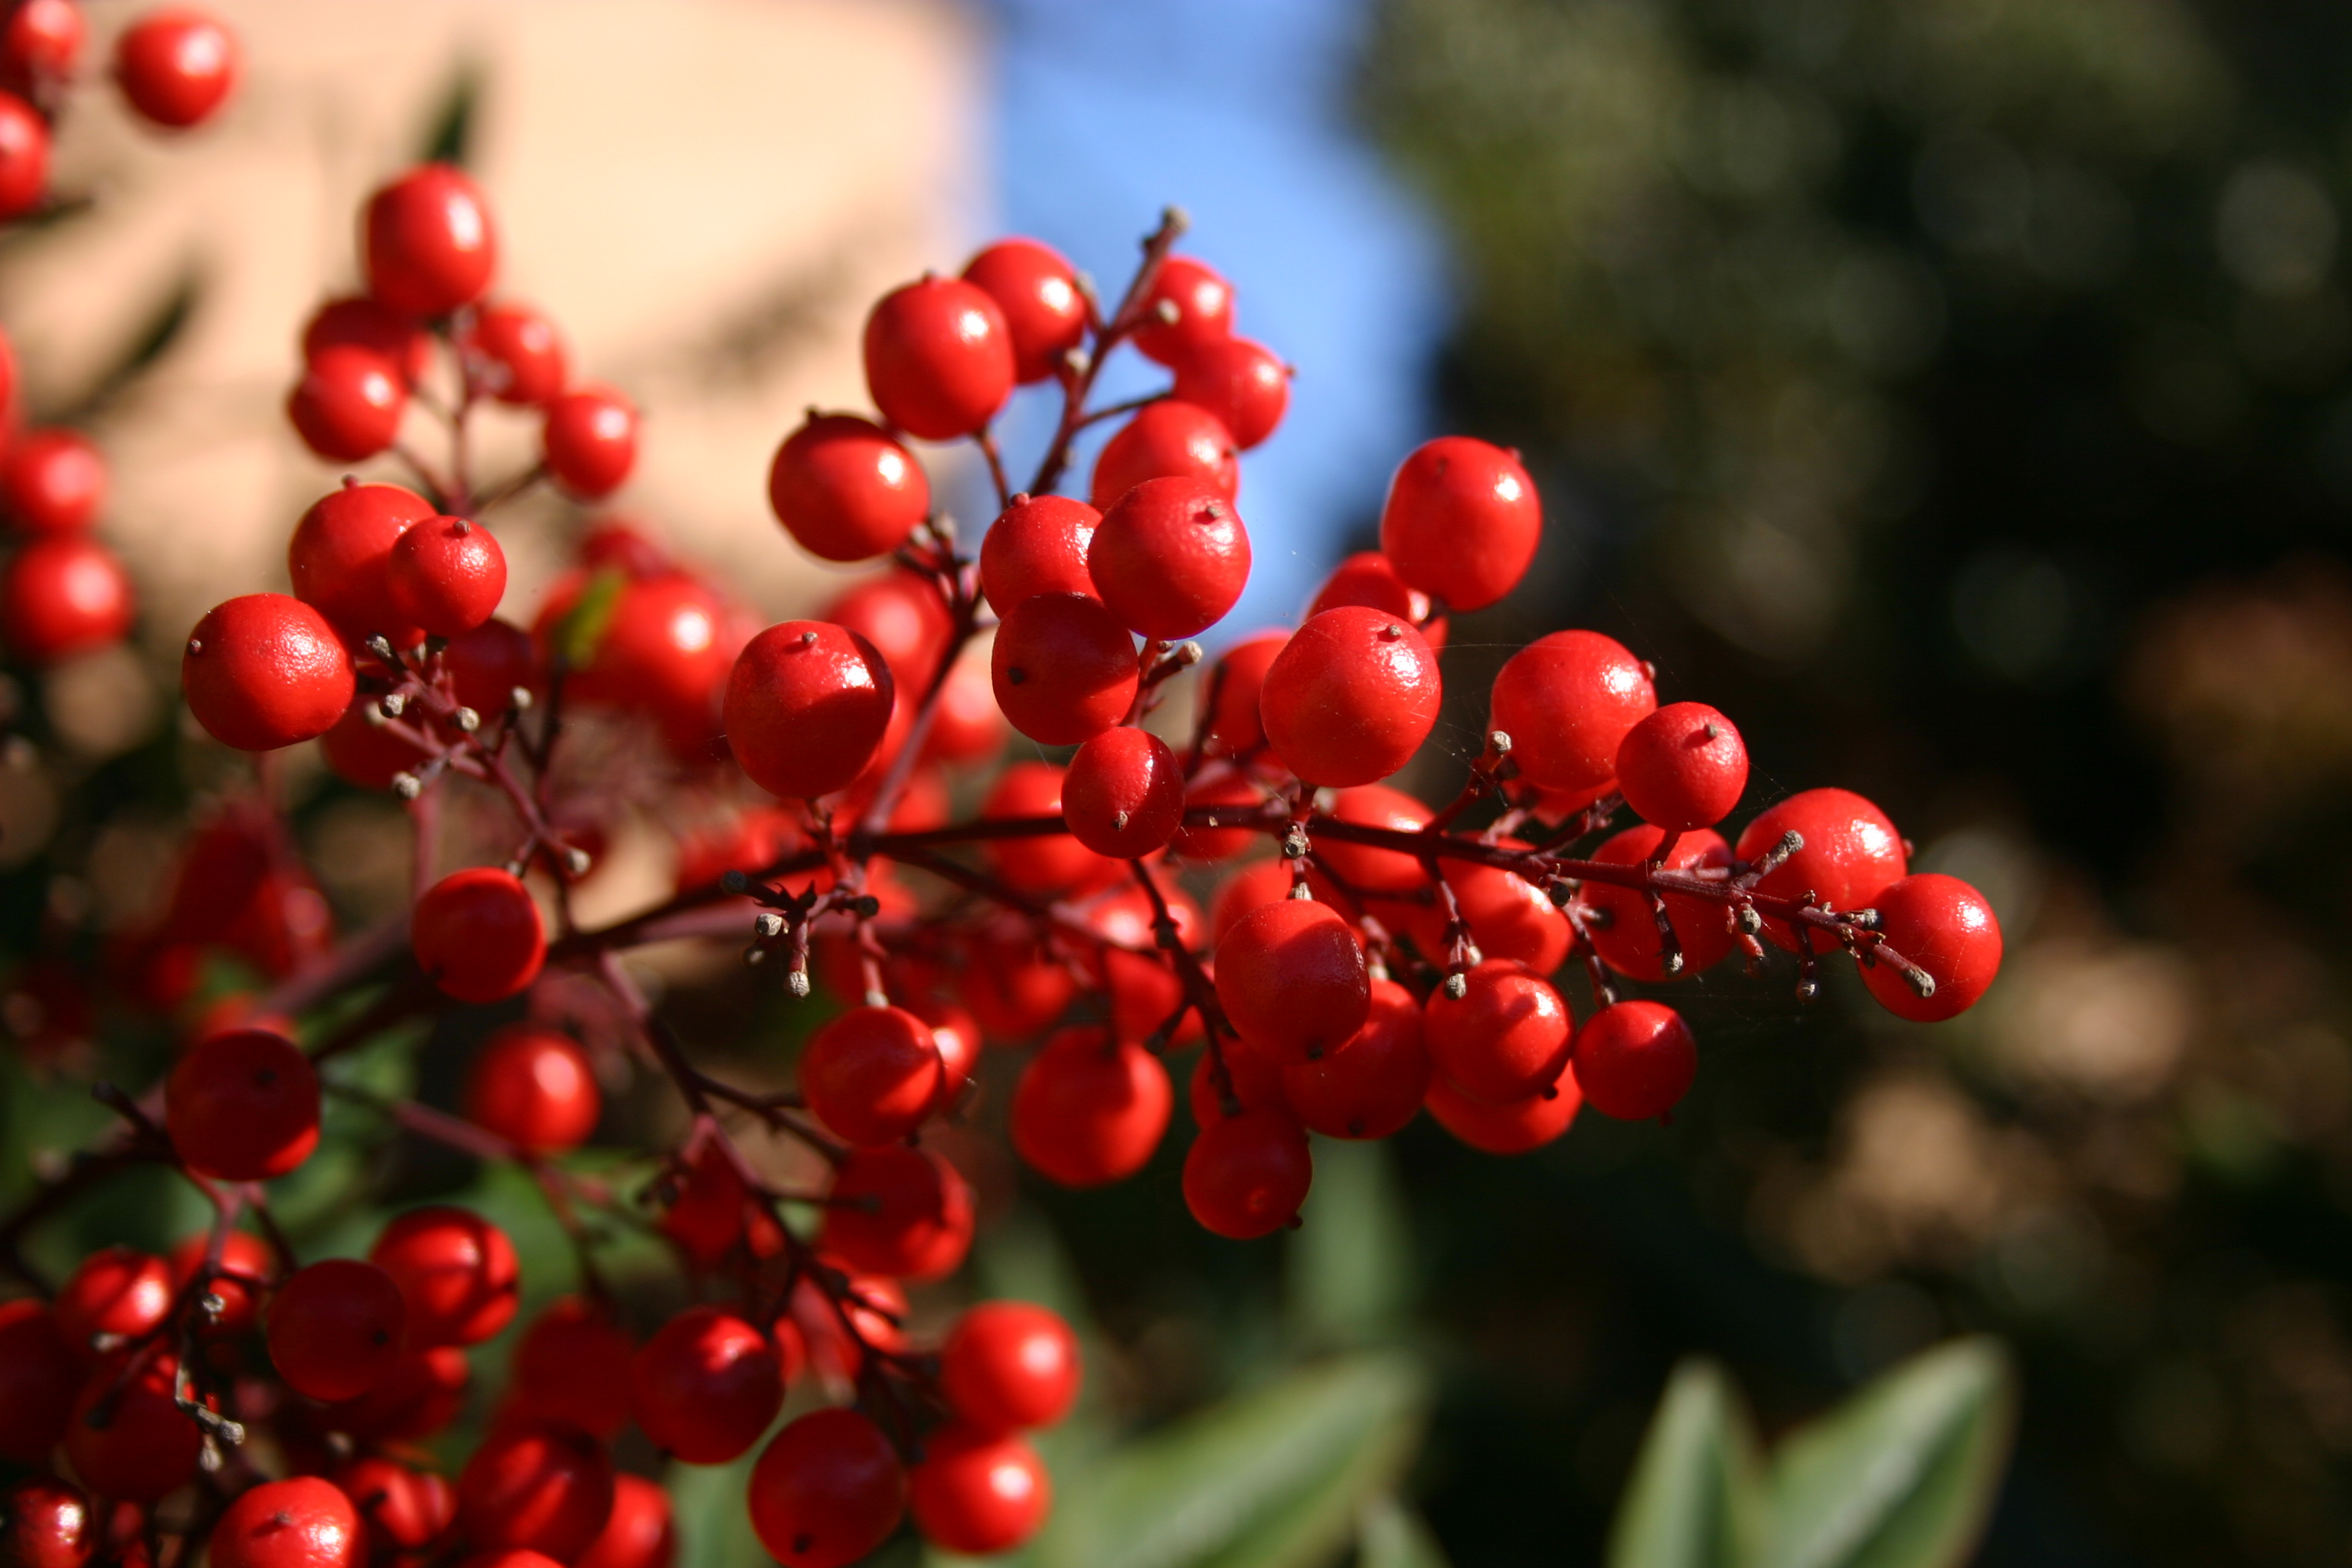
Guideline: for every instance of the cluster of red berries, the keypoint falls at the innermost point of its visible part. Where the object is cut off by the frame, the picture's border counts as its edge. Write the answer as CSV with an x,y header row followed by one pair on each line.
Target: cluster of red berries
x,y
61,592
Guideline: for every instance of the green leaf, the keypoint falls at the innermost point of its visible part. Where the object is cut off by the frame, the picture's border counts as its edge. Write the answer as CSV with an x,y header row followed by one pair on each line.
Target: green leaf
x,y
714,1525
1695,1500
582,629
1273,1478
1903,1474
1390,1535
1350,1265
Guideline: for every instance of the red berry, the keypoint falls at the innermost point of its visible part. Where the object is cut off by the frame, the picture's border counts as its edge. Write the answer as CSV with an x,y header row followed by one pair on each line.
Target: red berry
x,y
1234,682
639,1532
535,1486
1292,980
1188,306
429,242
1362,867
956,1033
1461,522
1508,916
1053,863
1240,801
421,1394
1351,697
663,651
337,1328
872,1075
705,1385
447,576
175,67
1171,558
1245,385
516,355
456,1270
590,440
349,404
398,1507
1945,927
477,934
1063,667
1167,439
1512,1129
1246,1174
44,40
24,157
340,557
806,706
1038,546
939,358
55,482
1626,937
304,1522
243,1106
1851,854
242,1254
1007,1366
116,1290
126,1439
1370,1086
1507,1037
1038,292
46,1523
490,664
365,323
563,1366
967,726
1090,1109
827,1491
534,1087
63,596
37,1381
1369,578
1567,702
1124,794
846,490
902,1212
979,1493
1682,767
1635,1061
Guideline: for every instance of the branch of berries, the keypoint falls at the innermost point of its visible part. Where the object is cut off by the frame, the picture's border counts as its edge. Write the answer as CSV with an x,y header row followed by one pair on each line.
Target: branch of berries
x,y
1389,958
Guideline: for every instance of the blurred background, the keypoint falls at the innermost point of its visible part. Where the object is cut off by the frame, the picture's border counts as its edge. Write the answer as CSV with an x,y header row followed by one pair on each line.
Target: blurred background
x,y
1953,391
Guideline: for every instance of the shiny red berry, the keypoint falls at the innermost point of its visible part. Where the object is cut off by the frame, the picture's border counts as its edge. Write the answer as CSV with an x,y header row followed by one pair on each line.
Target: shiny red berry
x,y
349,404
1291,978
263,671
939,358
63,596
1625,936
976,1492
1349,698
516,354
246,1266
872,1075
127,1440
46,1523
302,1522
1234,684
1682,767
1370,1086
900,1212
1038,546
1506,1037
639,1532
806,705
534,1087
1567,702
1508,916
1513,1128
54,482
243,1106
456,1270
589,440
24,157
1245,385
1635,1061
1124,793
361,322
705,1385
846,490
663,652
1945,927
399,1509
563,1366
1246,1174
1008,1366
37,1380
118,1291
447,576
44,40
1369,578
337,1328
827,1491
1167,439
902,613
1848,854
175,67
1037,291
535,1486
428,243
1187,306
477,934
340,557
1461,522
1063,667
1090,1109
1362,866
1171,558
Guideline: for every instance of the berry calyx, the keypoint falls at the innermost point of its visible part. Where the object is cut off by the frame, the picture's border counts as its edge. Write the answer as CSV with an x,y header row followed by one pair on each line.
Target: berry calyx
x,y
705,1385
1349,698
457,1272
1038,546
1944,927
1291,978
806,706
1090,1109
589,441
263,671
978,1493
939,358
872,1075
1038,292
827,1491
1682,767
1170,558
1063,667
846,490
1124,793
175,68
534,1087
243,1106
1506,1037
1635,1061
906,1213
1567,702
1167,439
1246,1174
337,1328
1009,1366
477,934
447,576
428,242
1461,522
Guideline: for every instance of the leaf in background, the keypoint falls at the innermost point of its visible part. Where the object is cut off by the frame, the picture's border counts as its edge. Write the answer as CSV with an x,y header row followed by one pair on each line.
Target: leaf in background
x,y
1273,1479
714,1526
1695,1500
1390,1535
1903,1474
1350,1265
582,629
451,140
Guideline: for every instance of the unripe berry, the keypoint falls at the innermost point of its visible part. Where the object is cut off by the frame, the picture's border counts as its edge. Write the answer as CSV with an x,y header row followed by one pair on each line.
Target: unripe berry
x,y
902,1212
1245,385
117,1291
1512,1129
806,705
535,1486
361,322
1626,936
1124,794
1567,702
1506,1037
46,1523
243,1106
1037,291
517,355
1851,854
978,1493
1246,1174
639,1533
143,1447
44,40
1188,306
477,934
1234,682
562,1367
1063,667
24,157
340,557
263,671
399,1510
63,596
1370,1086
1461,522
428,243
349,403
337,1328
1682,767
37,1380
1090,1109
1350,698
1635,1061
589,440
1038,546
846,490
827,1491
534,1087
872,1075
1945,927
175,68
939,358
456,1270
705,1385
1008,1366
55,482
1167,439
1171,558
447,576
1291,978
